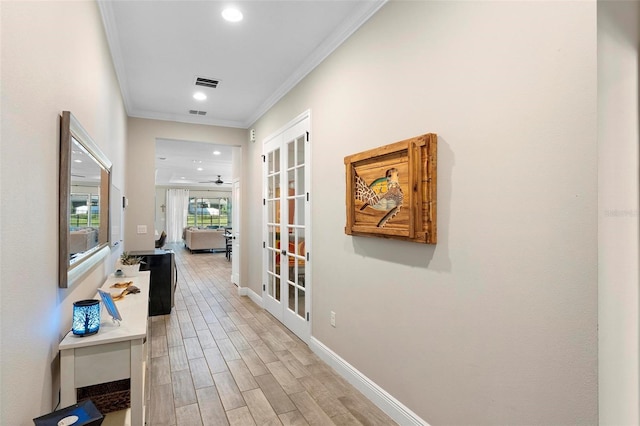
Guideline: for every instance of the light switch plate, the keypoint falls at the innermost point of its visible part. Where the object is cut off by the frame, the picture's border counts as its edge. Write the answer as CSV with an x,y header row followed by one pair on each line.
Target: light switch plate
x,y
142,229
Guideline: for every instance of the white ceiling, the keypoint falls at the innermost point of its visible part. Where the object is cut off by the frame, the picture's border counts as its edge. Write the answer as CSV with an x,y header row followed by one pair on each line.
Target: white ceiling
x,y
183,158
160,47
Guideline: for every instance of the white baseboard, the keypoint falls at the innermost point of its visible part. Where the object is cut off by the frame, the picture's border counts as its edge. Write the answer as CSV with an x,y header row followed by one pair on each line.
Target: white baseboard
x,y
257,299
387,403
246,291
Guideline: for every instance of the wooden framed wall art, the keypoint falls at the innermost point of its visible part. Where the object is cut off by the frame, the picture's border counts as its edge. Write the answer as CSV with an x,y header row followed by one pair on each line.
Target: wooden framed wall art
x,y
392,191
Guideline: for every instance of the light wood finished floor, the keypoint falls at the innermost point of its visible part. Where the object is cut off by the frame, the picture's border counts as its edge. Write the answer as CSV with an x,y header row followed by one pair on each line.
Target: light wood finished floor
x,y
219,359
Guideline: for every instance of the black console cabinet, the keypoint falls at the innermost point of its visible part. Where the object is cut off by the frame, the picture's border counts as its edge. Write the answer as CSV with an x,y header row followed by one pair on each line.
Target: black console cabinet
x,y
164,275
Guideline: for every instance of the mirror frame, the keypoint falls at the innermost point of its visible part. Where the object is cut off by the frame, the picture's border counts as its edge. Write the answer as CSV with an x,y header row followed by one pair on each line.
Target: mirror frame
x,y
68,271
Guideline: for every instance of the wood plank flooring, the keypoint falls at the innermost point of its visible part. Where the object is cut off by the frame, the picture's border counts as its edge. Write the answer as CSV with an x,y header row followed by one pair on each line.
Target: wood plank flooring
x,y
219,359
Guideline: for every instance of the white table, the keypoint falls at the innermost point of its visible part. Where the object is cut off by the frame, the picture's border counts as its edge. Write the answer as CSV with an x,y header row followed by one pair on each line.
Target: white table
x,y
116,352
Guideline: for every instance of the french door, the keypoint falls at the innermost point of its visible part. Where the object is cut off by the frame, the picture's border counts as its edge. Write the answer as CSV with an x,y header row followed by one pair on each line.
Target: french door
x,y
286,237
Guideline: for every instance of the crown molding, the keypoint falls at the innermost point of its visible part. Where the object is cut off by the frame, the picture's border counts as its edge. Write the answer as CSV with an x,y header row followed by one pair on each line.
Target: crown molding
x,y
328,46
108,21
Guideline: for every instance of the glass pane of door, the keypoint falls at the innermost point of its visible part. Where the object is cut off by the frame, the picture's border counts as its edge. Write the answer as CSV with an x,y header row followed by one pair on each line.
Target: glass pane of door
x,y
272,202
296,197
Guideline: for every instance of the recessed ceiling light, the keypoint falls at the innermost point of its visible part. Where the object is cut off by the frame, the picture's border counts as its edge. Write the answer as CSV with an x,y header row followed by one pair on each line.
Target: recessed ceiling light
x,y
77,161
199,169
199,96
216,152
232,14
197,161
181,177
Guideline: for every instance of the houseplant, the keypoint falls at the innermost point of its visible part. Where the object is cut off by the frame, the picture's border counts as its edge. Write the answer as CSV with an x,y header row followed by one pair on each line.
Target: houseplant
x,y
129,264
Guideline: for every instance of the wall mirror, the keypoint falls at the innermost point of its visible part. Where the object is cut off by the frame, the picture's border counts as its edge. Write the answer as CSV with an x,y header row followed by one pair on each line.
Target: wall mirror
x,y
85,174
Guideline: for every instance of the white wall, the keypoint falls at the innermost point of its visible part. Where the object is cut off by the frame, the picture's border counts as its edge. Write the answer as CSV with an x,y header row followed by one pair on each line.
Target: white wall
x,y
618,39
54,57
496,324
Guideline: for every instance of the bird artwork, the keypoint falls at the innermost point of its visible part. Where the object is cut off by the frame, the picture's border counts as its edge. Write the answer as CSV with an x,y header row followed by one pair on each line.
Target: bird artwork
x,y
384,194
391,191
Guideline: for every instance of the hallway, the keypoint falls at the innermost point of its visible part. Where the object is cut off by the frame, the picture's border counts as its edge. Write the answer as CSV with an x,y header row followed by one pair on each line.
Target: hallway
x,y
219,359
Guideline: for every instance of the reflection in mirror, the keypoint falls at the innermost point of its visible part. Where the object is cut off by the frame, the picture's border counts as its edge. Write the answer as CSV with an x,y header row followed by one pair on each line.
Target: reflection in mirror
x,y
84,198
84,210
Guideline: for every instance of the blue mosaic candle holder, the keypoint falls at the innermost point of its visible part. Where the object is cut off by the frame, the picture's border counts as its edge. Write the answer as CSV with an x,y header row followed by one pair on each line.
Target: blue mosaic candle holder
x,y
86,317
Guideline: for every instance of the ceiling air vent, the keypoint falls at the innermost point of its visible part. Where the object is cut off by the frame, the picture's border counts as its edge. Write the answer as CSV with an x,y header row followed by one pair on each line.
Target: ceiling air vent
x,y
207,82
196,112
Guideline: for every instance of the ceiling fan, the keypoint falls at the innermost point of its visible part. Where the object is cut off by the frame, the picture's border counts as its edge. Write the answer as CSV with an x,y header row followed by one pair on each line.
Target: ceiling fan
x,y
218,181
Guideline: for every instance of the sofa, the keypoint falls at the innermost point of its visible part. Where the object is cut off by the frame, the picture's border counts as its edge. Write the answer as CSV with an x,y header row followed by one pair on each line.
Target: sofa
x,y
204,239
82,239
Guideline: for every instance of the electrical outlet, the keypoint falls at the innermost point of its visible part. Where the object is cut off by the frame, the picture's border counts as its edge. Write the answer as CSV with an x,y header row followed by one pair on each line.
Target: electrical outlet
x,y
333,319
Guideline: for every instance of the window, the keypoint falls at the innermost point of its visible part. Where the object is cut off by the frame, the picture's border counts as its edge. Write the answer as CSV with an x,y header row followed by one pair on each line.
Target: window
x,y
210,212
85,210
